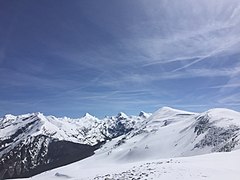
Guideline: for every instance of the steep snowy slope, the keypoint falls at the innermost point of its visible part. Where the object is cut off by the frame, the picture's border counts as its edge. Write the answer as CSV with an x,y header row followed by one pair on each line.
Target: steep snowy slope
x,y
32,143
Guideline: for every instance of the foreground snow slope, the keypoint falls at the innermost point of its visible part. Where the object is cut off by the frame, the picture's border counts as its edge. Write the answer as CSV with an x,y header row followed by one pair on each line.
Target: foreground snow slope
x,y
215,166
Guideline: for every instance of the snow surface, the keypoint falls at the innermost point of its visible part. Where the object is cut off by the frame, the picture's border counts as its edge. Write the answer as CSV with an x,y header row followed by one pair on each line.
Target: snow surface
x,y
215,166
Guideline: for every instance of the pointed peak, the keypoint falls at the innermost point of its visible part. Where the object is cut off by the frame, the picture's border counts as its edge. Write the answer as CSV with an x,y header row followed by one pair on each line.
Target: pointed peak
x,y
144,114
121,115
9,116
38,114
87,115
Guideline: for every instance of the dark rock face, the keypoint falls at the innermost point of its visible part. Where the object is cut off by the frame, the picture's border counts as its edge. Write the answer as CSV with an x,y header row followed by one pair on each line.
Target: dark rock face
x,y
202,124
119,129
19,134
38,154
221,139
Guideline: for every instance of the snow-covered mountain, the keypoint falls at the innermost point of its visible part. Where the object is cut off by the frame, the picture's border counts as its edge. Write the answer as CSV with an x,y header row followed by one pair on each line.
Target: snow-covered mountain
x,y
172,133
34,143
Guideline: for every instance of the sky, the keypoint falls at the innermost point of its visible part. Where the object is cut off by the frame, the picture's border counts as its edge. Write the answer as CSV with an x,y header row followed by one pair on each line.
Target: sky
x,y
66,58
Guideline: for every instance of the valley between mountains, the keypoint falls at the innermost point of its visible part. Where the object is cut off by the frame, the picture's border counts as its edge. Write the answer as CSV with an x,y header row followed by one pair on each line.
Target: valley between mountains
x,y
166,144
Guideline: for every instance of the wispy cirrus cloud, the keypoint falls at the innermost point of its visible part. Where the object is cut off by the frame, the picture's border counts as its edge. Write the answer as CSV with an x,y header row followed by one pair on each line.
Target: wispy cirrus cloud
x,y
190,42
188,74
236,85
231,99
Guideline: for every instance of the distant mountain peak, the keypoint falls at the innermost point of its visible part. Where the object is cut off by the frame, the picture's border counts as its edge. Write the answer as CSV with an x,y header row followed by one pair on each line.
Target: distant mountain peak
x,y
39,115
9,116
121,115
87,115
141,113
144,114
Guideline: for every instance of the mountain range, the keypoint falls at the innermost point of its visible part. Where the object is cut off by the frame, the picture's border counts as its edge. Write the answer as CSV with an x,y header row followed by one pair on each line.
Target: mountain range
x,y
33,143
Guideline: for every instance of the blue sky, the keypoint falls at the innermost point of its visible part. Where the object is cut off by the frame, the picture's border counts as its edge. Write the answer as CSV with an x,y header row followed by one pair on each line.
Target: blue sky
x,y
70,57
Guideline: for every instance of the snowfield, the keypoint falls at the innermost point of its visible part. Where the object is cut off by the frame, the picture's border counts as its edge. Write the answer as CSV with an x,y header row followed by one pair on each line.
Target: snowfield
x,y
215,166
